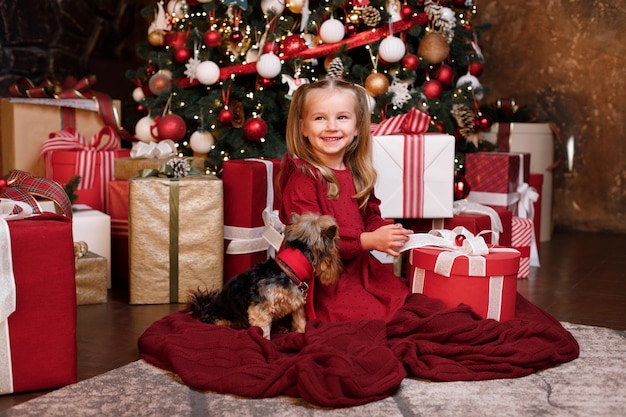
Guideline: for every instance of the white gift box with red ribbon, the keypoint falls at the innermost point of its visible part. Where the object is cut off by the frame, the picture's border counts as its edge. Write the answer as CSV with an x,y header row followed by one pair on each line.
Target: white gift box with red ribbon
x,y
460,268
415,169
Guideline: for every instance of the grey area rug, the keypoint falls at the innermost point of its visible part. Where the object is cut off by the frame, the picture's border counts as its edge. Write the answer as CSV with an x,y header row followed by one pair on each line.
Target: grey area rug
x,y
592,385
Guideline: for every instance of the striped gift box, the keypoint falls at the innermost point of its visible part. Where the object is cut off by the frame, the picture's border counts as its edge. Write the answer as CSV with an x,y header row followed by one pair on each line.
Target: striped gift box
x,y
522,231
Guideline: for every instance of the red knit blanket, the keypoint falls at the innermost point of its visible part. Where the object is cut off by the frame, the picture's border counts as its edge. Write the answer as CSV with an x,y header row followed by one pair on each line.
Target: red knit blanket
x,y
352,363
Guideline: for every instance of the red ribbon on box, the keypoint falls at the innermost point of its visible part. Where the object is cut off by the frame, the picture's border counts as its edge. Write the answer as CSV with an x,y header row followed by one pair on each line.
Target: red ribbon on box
x,y
70,88
413,125
23,186
101,149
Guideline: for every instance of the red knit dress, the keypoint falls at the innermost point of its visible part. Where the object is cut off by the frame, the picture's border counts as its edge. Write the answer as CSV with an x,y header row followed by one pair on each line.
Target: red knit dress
x,y
367,289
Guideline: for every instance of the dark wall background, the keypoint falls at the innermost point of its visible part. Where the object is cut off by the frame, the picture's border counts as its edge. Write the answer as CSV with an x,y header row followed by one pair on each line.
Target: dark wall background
x,y
565,60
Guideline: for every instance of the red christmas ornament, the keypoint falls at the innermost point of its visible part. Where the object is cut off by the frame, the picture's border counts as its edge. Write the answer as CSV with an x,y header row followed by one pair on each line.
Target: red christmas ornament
x,y
475,68
176,39
351,29
432,89
265,82
461,188
182,55
458,240
458,3
445,75
226,116
406,12
292,44
236,36
170,126
483,122
3,183
255,128
212,38
411,61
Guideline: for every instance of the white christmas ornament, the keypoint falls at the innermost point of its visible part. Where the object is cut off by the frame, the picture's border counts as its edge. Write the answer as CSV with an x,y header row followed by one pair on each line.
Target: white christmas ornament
x,y
477,87
391,49
207,72
277,6
332,31
138,94
143,129
268,65
201,142
192,68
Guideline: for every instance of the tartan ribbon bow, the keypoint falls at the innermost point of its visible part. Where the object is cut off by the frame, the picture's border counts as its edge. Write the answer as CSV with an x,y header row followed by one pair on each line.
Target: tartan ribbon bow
x,y
71,88
414,121
101,149
24,187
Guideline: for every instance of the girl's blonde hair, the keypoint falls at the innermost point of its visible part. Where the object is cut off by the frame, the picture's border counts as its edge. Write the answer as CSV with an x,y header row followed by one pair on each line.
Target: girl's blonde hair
x,y
358,154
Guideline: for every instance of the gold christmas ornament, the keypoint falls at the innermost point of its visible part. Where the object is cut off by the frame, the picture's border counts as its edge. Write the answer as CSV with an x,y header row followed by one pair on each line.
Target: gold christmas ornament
x,y
433,48
295,6
156,38
376,84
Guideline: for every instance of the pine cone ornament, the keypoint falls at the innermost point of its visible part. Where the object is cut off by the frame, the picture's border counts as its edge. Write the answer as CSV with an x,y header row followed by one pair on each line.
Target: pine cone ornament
x,y
371,16
464,117
180,167
335,68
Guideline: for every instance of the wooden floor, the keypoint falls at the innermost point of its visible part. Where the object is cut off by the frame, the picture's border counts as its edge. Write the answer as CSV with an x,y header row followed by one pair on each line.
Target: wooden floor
x,y
582,279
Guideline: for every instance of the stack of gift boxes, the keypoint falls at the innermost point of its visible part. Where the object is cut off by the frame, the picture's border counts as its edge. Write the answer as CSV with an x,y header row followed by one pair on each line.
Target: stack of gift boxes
x,y
159,234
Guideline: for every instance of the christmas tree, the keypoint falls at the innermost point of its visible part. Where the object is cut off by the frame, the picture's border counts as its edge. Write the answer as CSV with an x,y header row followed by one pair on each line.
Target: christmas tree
x,y
219,74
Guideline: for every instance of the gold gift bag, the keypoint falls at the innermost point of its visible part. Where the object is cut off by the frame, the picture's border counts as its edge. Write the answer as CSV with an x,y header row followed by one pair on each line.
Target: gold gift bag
x,y
176,230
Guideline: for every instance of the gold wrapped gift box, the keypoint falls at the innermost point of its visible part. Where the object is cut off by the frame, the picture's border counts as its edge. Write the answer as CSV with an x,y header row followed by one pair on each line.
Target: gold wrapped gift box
x,y
176,230
91,279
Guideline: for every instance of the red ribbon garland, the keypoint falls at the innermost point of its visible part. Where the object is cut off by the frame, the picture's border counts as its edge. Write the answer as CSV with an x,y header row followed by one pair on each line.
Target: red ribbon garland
x,y
360,39
24,186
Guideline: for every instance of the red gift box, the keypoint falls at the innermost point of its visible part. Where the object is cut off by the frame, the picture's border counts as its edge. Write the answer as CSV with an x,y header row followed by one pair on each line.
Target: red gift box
x,y
42,330
495,177
487,283
248,185
118,210
67,154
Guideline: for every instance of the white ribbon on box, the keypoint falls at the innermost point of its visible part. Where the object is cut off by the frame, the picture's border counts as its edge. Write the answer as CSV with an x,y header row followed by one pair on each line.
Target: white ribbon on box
x,y
7,287
268,237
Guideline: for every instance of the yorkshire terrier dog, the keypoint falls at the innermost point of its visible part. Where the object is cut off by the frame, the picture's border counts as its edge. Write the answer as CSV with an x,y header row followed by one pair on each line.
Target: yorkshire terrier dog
x,y
277,287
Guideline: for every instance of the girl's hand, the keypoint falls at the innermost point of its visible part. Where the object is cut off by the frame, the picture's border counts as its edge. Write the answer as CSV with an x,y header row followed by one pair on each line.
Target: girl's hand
x,y
386,239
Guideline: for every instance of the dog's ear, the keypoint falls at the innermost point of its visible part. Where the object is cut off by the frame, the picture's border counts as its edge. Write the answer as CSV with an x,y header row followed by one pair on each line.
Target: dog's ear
x,y
331,232
294,217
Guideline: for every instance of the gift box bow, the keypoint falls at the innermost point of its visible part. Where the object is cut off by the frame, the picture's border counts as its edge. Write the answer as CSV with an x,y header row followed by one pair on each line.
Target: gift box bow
x,y
24,187
414,121
458,242
100,149
161,149
174,168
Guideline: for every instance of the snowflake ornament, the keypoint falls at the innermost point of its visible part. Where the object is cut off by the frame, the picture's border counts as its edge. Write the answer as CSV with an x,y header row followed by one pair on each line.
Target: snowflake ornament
x,y
401,91
192,68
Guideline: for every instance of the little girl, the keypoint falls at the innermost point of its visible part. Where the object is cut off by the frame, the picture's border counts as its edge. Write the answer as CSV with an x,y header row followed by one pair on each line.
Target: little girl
x,y
328,170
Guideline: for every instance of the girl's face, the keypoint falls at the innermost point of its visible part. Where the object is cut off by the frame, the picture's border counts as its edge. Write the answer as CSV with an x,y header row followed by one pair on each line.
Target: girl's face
x,y
329,121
